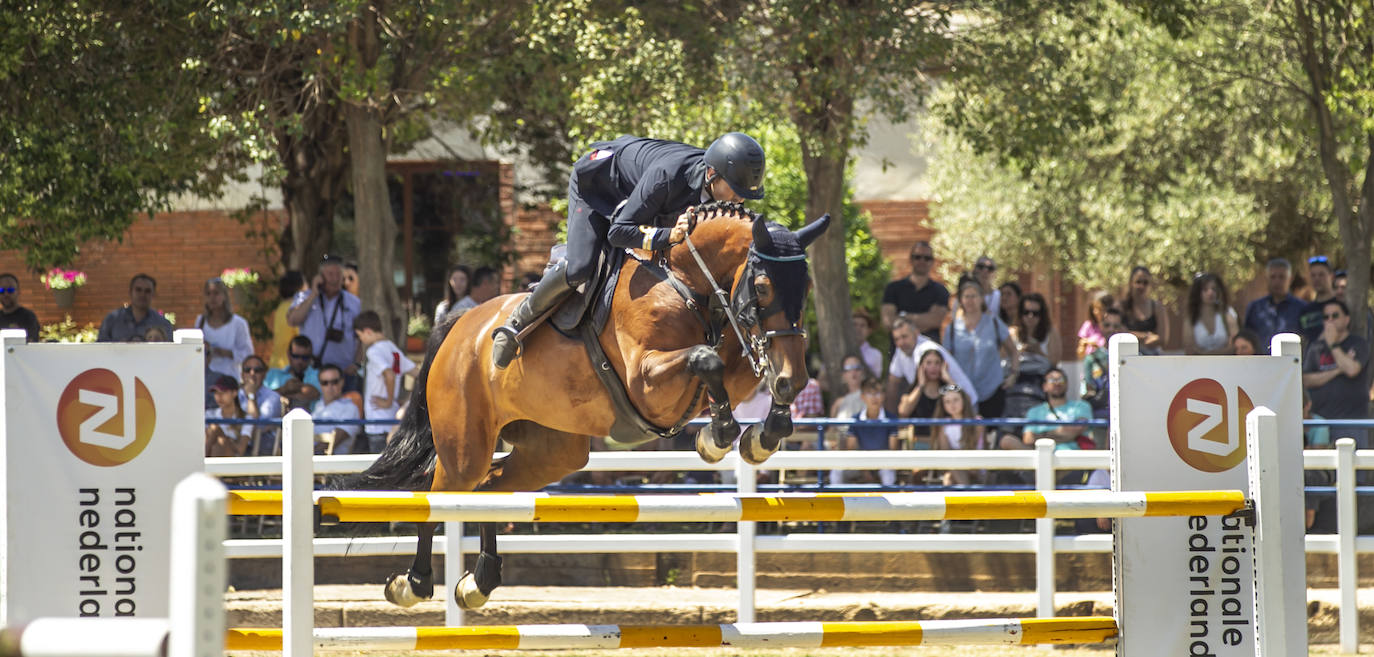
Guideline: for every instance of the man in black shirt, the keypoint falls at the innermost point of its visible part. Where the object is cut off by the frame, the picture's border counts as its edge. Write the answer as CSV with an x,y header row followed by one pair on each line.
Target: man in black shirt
x,y
1334,372
13,315
917,296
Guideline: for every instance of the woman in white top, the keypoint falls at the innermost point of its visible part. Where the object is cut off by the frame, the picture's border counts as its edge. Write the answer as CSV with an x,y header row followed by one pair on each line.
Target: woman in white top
x,y
227,341
1210,322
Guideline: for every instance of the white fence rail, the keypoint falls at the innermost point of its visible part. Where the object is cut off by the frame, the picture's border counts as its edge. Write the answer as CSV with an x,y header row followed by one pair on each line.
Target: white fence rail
x,y
1043,461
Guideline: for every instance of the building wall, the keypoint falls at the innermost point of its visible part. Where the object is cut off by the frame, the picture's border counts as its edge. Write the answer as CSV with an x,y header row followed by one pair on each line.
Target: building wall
x,y
179,249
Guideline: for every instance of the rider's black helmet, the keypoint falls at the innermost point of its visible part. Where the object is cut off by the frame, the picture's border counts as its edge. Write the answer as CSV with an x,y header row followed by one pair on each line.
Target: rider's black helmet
x,y
738,159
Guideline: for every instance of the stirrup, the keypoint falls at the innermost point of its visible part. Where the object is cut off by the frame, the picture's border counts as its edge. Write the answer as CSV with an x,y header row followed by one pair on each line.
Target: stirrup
x,y
514,335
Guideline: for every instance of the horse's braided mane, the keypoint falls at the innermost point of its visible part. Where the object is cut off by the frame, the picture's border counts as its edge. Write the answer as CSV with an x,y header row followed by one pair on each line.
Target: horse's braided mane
x,y
724,210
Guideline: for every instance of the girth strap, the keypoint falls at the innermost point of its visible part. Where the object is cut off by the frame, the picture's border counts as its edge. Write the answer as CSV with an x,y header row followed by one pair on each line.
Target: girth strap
x,y
630,427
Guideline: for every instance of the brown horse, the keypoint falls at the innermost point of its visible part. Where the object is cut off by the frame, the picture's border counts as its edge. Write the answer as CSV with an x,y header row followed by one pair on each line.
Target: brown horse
x,y
752,274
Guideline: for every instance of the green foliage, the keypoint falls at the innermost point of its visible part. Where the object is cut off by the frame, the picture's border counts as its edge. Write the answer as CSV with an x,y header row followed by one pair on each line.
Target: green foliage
x,y
100,122
1093,141
418,325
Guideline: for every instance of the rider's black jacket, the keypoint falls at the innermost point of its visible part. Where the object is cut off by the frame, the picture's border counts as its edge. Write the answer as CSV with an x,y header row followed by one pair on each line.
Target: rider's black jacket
x,y
655,180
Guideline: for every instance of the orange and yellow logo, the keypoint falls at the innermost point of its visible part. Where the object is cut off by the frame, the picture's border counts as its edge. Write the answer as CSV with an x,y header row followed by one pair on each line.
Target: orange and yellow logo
x,y
1206,425
105,420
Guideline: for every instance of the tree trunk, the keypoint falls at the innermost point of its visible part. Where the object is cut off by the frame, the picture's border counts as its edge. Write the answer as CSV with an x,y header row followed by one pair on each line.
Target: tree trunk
x,y
1357,247
824,164
367,146
375,224
1353,214
316,167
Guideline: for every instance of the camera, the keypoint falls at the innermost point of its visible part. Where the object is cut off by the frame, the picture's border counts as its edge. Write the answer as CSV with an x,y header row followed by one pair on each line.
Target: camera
x,y
333,335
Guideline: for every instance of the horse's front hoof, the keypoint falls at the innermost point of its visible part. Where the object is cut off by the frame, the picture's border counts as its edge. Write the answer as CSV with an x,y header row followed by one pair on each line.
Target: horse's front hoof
x,y
468,595
400,593
707,448
752,449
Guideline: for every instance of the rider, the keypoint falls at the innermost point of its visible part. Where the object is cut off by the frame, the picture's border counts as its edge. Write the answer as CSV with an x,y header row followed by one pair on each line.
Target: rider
x,y
642,185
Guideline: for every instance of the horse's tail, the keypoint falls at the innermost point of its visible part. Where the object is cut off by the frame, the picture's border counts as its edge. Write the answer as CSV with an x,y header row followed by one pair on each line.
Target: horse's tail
x,y
408,461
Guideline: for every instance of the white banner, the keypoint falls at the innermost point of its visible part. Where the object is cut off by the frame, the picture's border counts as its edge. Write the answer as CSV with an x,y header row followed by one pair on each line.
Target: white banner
x,y
93,439
1185,584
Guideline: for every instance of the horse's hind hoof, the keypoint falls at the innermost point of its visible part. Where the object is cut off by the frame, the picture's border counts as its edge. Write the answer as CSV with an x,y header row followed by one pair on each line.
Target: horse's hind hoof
x,y
467,594
707,448
751,447
399,592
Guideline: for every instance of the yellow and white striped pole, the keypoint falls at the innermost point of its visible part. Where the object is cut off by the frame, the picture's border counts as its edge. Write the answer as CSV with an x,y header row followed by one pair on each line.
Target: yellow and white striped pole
x,y
542,507
1013,631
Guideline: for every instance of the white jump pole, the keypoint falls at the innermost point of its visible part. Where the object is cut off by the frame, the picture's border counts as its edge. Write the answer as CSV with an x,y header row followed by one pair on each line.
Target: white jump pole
x,y
745,561
298,534
453,571
1044,532
196,596
1276,489
1347,527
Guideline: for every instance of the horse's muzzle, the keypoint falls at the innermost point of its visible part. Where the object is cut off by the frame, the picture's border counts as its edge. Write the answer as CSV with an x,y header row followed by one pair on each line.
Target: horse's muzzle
x,y
783,389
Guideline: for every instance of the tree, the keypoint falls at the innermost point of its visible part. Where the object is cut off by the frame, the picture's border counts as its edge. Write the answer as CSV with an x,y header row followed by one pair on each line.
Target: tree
x,y
593,70
825,65
320,93
277,106
1209,137
1113,161
101,122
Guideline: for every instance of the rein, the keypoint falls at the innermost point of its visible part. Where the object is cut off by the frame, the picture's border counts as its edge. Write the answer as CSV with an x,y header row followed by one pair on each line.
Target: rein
x,y
742,315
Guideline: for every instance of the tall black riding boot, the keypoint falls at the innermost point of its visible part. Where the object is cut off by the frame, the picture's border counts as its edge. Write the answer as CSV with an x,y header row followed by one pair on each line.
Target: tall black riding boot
x,y
551,290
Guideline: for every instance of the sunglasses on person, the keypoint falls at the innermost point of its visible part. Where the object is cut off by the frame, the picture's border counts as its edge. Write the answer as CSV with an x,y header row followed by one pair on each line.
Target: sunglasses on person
x,y
1033,312
8,290
922,257
330,382
1318,260
951,388
984,266
254,370
300,356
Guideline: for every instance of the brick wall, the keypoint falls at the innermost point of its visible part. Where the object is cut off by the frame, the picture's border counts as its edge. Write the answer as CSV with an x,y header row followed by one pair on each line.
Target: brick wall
x,y
179,249
536,227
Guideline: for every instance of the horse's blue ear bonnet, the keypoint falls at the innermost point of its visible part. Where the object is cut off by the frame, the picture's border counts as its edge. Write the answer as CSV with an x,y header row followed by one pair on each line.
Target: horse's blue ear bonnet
x,y
782,254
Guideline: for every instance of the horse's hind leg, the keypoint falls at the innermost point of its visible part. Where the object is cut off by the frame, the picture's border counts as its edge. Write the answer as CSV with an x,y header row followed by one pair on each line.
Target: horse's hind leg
x,y
475,587
538,457
409,588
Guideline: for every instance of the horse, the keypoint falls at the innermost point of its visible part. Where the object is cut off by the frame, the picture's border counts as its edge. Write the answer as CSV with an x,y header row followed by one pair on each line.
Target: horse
x,y
672,331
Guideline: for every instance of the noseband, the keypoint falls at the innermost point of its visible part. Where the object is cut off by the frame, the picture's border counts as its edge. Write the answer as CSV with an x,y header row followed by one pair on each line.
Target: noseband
x,y
742,308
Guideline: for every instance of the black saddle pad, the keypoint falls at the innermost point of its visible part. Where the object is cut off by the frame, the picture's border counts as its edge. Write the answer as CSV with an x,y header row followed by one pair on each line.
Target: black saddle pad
x,y
594,295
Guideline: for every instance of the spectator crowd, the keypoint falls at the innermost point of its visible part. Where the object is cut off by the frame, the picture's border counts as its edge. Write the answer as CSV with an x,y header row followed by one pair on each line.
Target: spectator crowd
x,y
326,354
989,350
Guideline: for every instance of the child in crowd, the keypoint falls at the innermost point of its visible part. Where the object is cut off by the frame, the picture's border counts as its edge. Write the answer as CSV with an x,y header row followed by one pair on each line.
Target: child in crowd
x,y
226,439
385,365
863,435
955,405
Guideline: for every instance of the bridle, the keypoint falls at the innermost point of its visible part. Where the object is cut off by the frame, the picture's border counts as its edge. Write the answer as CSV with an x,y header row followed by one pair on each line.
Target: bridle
x,y
742,311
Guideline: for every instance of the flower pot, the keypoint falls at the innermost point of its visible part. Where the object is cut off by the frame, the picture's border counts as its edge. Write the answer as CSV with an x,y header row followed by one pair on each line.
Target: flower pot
x,y
238,295
65,297
415,343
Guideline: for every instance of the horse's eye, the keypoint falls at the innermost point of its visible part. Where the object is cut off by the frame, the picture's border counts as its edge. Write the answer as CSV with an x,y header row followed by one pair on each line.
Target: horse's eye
x,y
764,288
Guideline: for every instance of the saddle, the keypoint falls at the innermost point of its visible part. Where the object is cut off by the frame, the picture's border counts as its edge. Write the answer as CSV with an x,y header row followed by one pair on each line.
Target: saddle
x,y
593,295
583,315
